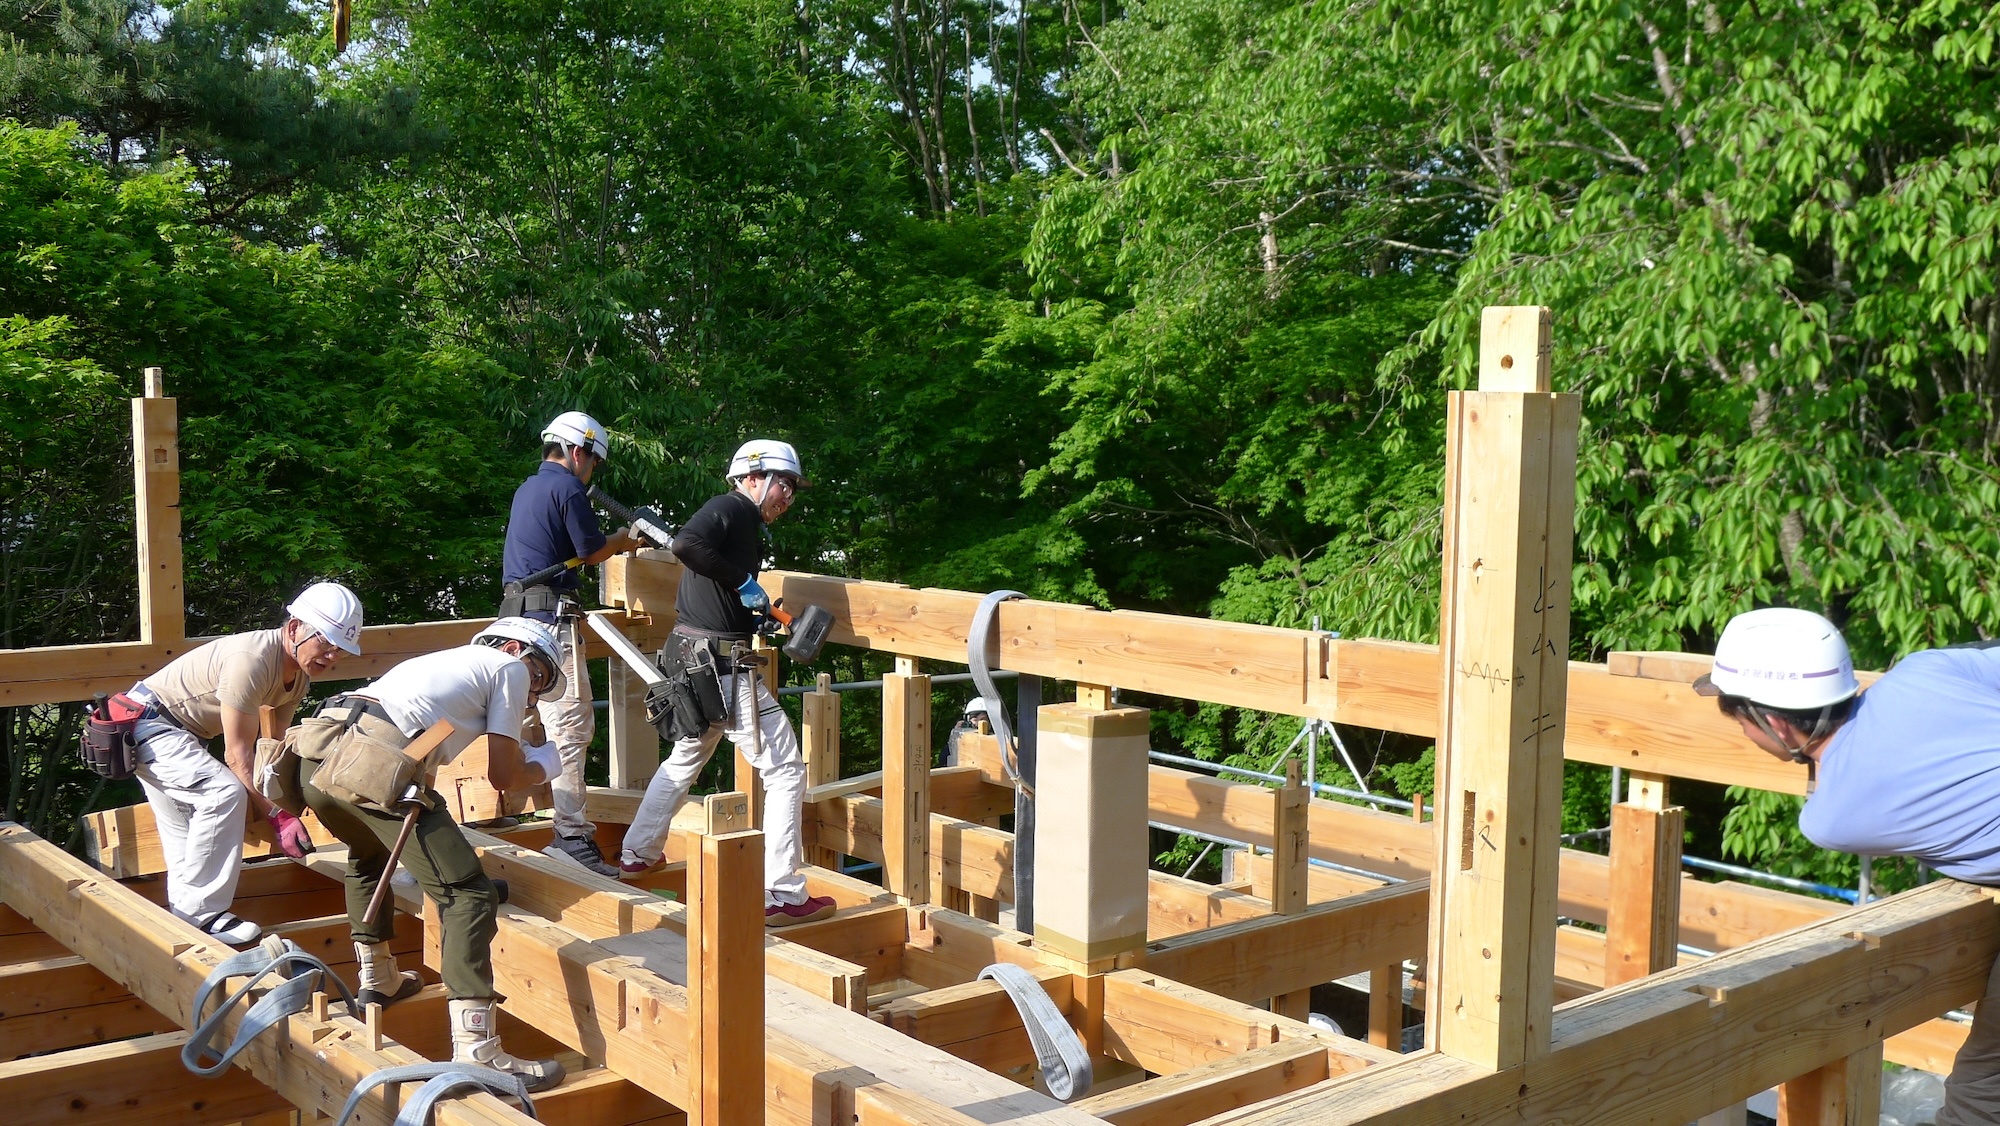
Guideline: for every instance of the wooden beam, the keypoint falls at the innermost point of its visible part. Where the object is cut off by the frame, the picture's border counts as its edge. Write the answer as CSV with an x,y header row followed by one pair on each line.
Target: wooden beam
x,y
906,766
977,1021
129,1083
1259,958
163,960
1846,1092
1643,932
1167,1026
964,855
1289,874
1510,492
819,734
1211,1088
156,488
1385,1006
726,995
1700,1037
633,744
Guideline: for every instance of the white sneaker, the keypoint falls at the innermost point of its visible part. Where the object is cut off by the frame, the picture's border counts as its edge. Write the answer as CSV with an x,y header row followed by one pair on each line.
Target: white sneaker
x,y
227,927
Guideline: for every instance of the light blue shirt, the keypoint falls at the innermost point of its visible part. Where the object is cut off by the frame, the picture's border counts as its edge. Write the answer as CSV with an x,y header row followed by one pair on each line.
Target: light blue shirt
x,y
1915,771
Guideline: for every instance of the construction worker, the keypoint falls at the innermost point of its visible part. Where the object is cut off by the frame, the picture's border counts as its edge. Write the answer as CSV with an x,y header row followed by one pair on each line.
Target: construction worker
x,y
1910,768
552,522
716,610
217,689
972,721
484,688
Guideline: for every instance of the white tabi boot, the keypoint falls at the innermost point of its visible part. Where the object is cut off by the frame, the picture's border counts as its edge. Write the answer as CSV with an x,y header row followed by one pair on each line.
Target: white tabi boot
x,y
473,1040
381,982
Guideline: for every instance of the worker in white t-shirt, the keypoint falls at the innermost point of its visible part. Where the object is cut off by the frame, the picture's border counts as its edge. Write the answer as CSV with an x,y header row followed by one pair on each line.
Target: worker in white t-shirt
x,y
483,688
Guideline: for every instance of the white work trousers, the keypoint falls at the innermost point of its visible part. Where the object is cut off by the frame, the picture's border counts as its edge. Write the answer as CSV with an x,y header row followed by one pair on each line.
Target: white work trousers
x,y
570,722
198,805
1972,1091
778,763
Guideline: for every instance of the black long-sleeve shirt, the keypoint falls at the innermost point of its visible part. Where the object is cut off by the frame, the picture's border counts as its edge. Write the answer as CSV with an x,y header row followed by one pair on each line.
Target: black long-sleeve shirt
x,y
720,545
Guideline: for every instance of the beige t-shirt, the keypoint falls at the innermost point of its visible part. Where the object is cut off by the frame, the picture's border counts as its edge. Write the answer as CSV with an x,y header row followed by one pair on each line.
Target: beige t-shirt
x,y
244,671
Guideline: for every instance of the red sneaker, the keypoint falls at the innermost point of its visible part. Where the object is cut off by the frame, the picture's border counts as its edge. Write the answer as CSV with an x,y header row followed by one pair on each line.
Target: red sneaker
x,y
633,866
812,910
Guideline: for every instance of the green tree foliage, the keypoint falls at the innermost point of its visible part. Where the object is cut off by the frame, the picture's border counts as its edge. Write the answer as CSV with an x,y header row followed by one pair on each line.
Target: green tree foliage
x,y
235,88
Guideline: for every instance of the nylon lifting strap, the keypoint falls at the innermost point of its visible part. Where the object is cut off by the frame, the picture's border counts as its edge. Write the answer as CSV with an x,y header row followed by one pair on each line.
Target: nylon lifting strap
x,y
304,975
1064,1061
976,643
440,1081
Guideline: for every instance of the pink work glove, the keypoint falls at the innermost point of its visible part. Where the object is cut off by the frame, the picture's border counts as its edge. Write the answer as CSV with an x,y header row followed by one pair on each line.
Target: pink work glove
x,y
293,839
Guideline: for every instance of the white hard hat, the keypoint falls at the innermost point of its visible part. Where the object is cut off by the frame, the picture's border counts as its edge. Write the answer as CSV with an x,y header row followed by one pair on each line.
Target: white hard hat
x,y
535,636
764,455
1781,658
976,706
575,428
333,612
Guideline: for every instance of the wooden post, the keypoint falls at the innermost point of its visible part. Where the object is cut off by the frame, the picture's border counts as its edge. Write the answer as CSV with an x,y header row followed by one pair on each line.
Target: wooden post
x,y
1090,828
820,739
1642,931
156,494
906,782
725,988
1385,1007
748,782
1846,1092
725,813
1289,875
1510,494
634,745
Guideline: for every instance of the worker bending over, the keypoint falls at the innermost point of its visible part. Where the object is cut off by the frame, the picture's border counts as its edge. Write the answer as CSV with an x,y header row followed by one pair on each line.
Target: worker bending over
x,y
552,522
483,688
1910,768
218,689
722,547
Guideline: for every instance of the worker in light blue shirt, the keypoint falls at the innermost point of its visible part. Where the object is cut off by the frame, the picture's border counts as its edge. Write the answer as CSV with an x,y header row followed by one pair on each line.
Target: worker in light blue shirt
x,y
1910,768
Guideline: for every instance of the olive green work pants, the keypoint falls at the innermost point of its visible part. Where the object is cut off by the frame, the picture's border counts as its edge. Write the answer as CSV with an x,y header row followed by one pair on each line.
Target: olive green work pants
x,y
444,865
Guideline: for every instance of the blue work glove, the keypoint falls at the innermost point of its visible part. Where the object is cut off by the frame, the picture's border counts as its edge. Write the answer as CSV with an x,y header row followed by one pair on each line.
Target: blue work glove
x,y
753,596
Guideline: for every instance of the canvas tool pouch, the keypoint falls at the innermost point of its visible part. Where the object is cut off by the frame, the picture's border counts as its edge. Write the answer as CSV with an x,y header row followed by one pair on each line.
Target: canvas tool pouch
x,y
689,701
276,773
365,764
517,600
107,747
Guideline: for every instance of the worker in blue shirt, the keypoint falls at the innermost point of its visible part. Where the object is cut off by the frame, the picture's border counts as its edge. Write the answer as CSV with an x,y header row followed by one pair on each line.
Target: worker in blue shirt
x,y
552,522
1909,768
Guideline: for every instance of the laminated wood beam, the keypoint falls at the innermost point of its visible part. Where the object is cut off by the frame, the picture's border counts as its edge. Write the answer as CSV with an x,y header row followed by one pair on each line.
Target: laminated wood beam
x,y
1690,1040
1510,495
977,1021
1642,917
726,989
156,487
906,794
65,1002
1260,958
1211,1088
163,960
1167,1026
129,1083
819,738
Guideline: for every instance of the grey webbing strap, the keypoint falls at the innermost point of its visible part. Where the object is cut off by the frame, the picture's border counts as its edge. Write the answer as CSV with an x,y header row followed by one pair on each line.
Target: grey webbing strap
x,y
440,1080
976,643
304,975
1059,1050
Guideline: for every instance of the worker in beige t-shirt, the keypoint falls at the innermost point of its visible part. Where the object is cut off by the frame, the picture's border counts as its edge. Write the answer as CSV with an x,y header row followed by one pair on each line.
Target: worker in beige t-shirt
x,y
217,690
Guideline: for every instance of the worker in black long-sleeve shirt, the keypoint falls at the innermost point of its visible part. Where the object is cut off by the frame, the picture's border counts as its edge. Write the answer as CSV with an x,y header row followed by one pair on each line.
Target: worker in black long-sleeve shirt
x,y
722,547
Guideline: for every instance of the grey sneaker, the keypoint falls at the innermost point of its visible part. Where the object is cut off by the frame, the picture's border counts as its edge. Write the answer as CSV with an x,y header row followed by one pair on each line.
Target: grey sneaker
x,y
582,851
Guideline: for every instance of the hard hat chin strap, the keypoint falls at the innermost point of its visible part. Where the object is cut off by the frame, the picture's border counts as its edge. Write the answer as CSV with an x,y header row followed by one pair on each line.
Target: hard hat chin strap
x,y
1820,728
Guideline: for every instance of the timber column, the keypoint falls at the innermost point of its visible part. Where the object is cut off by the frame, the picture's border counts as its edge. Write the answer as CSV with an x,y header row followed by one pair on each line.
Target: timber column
x,y
1090,831
1509,514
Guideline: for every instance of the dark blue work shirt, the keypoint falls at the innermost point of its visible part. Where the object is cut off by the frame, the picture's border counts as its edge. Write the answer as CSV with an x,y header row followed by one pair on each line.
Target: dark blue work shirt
x,y
551,522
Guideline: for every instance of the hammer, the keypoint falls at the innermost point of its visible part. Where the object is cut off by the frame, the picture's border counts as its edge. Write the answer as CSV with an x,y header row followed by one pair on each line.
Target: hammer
x,y
418,750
